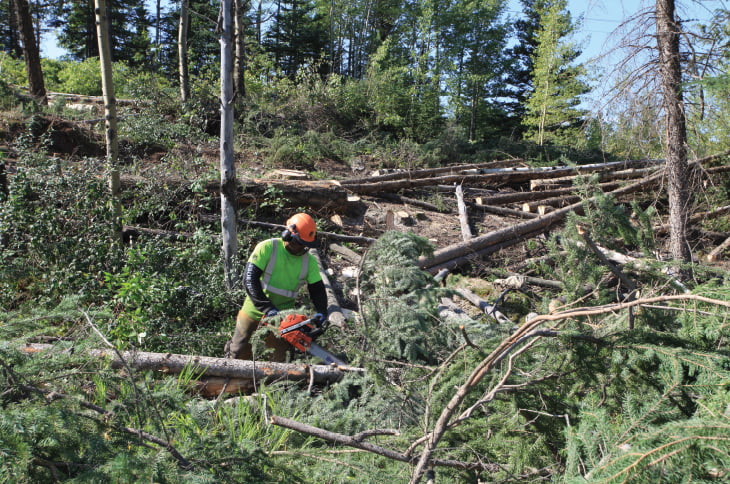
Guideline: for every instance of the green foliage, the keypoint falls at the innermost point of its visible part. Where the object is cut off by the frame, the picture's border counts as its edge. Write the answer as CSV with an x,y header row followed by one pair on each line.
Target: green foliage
x,y
50,228
661,414
553,115
74,437
610,226
400,310
12,70
301,152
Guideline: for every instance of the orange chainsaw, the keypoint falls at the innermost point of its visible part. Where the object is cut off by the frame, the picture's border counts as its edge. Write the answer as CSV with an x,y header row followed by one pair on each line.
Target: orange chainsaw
x,y
300,332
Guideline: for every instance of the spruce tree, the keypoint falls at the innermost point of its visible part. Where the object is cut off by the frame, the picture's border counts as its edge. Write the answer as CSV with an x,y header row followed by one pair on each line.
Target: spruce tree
x,y
129,25
553,113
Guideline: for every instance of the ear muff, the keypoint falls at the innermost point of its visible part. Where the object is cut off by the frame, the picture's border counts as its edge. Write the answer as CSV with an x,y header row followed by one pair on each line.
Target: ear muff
x,y
286,235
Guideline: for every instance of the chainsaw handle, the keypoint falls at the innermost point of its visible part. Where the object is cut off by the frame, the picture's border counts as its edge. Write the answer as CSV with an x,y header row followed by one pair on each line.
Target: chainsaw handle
x,y
320,329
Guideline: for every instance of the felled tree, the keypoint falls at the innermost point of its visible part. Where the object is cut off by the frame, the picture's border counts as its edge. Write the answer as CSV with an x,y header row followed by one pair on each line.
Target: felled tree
x,y
399,300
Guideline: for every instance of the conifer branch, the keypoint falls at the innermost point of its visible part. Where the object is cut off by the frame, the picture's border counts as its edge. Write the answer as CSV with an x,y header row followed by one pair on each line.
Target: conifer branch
x,y
375,449
529,330
107,415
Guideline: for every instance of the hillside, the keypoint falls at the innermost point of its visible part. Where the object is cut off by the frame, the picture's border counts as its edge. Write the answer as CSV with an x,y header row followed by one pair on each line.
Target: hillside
x,y
553,343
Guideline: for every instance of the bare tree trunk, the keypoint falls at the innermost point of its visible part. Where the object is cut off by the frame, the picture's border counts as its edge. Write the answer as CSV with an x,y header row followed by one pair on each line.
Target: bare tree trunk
x,y
31,53
182,51
670,69
239,79
110,113
158,27
13,41
227,166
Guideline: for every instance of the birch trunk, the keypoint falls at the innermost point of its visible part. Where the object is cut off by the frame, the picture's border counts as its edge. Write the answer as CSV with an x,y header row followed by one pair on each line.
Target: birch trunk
x,y
182,51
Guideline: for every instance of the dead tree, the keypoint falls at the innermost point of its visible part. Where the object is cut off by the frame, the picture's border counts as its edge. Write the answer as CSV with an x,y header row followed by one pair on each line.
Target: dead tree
x,y
668,30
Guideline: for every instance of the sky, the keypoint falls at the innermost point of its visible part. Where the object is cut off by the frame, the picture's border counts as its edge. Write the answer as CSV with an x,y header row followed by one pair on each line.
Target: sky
x,y
601,17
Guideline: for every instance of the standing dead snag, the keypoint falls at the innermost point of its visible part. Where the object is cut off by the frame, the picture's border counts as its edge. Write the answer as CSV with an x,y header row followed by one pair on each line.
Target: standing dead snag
x,y
668,30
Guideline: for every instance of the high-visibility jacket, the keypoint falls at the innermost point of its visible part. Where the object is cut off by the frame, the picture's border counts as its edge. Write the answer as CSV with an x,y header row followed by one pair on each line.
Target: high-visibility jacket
x,y
283,274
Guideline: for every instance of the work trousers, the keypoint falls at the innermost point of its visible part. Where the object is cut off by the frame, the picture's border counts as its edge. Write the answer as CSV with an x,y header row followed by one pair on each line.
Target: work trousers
x,y
240,347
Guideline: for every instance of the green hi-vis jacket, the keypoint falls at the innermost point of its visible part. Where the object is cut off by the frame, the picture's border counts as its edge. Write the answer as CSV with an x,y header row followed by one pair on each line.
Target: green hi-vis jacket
x,y
284,274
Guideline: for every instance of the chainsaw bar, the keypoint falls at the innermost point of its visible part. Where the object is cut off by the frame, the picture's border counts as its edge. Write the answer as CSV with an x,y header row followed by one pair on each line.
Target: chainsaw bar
x,y
321,353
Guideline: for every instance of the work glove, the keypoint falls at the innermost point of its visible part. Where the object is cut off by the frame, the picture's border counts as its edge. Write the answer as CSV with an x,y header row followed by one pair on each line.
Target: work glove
x,y
318,319
321,325
271,313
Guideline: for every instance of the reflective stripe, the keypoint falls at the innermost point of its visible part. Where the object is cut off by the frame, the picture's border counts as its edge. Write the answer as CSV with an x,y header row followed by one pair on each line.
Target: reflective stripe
x,y
266,278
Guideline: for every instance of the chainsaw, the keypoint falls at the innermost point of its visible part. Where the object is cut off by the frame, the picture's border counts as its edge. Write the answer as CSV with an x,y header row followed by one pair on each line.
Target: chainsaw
x,y
300,332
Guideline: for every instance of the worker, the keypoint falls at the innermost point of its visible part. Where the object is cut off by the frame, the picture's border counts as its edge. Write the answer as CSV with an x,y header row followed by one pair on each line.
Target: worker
x,y
275,271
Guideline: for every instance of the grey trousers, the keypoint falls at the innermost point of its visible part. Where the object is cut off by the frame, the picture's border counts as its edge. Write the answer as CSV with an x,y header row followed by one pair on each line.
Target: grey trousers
x,y
239,347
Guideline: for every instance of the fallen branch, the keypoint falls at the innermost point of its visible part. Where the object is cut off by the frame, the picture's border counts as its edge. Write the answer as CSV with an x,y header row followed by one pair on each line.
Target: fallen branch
x,y
524,333
109,417
486,307
358,443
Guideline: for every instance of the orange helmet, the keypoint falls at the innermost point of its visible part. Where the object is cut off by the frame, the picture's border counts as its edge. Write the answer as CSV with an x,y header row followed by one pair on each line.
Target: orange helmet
x,y
301,227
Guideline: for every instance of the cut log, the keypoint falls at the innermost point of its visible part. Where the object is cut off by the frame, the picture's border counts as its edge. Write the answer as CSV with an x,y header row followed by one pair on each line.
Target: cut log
x,y
697,218
716,253
430,172
521,197
554,202
319,195
552,183
345,252
463,215
460,253
504,211
203,367
472,257
497,176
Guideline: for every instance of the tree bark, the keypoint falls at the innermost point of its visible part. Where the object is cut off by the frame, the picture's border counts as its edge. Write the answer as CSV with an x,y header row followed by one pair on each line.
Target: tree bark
x,y
204,367
36,85
668,31
110,114
182,51
227,166
463,214
239,79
